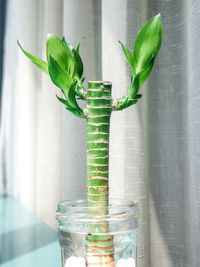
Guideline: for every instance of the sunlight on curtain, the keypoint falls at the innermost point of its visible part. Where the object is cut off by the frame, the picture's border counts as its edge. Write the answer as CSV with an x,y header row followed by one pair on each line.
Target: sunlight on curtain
x,y
155,145
32,117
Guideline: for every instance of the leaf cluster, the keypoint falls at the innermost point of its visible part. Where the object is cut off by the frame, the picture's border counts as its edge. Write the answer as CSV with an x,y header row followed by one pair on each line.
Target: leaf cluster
x,y
65,68
141,60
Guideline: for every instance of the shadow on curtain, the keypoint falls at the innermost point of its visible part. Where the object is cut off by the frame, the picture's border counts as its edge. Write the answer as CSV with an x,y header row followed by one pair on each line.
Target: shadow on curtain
x,y
2,31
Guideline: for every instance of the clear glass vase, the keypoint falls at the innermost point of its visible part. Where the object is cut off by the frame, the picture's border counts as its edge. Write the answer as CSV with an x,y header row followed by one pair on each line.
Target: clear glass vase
x,y
104,237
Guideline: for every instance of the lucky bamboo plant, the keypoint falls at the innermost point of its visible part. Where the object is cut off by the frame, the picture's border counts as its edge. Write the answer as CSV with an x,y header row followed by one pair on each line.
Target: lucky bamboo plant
x,y
65,68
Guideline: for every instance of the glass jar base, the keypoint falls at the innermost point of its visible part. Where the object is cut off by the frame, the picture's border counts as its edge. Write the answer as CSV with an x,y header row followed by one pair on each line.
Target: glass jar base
x,y
98,239
80,262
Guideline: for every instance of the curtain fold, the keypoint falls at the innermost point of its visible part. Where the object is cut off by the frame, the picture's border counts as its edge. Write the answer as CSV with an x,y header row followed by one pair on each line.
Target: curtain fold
x,y
2,30
32,117
155,145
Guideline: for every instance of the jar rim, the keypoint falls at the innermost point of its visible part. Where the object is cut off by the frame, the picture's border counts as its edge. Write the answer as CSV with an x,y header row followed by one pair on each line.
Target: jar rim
x,y
78,210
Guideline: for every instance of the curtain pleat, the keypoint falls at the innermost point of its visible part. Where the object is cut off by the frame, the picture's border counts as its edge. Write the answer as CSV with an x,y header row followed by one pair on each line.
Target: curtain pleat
x,y
32,117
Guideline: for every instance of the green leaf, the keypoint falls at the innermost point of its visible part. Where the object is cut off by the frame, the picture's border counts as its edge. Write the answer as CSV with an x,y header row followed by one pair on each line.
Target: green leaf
x,y
76,65
63,101
128,56
71,96
59,76
148,42
82,79
56,48
142,75
131,102
78,70
133,88
71,63
36,60
78,47
76,112
138,96
72,104
80,91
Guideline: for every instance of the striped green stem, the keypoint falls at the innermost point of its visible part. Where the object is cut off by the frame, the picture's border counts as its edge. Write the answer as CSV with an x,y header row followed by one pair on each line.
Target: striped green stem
x,y
99,108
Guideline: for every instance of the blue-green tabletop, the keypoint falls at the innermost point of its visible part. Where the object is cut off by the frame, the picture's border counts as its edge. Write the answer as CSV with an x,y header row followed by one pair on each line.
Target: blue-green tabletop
x,y
25,241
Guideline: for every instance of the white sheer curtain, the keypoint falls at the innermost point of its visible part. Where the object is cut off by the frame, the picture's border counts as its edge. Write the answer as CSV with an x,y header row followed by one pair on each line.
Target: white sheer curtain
x,y
32,118
155,145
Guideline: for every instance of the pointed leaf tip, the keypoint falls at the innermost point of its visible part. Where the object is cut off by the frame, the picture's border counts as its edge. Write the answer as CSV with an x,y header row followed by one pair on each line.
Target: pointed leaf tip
x,y
50,35
128,56
148,42
78,48
158,15
36,60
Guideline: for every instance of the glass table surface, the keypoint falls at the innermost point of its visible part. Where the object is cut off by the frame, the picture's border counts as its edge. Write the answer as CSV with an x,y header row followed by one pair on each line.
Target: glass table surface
x,y
25,241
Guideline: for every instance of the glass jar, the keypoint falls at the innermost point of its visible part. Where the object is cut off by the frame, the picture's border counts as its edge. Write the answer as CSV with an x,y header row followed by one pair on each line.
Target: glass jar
x,y
105,236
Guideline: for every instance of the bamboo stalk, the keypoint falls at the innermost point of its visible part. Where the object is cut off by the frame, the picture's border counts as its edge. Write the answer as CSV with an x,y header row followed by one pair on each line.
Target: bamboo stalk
x,y
100,249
